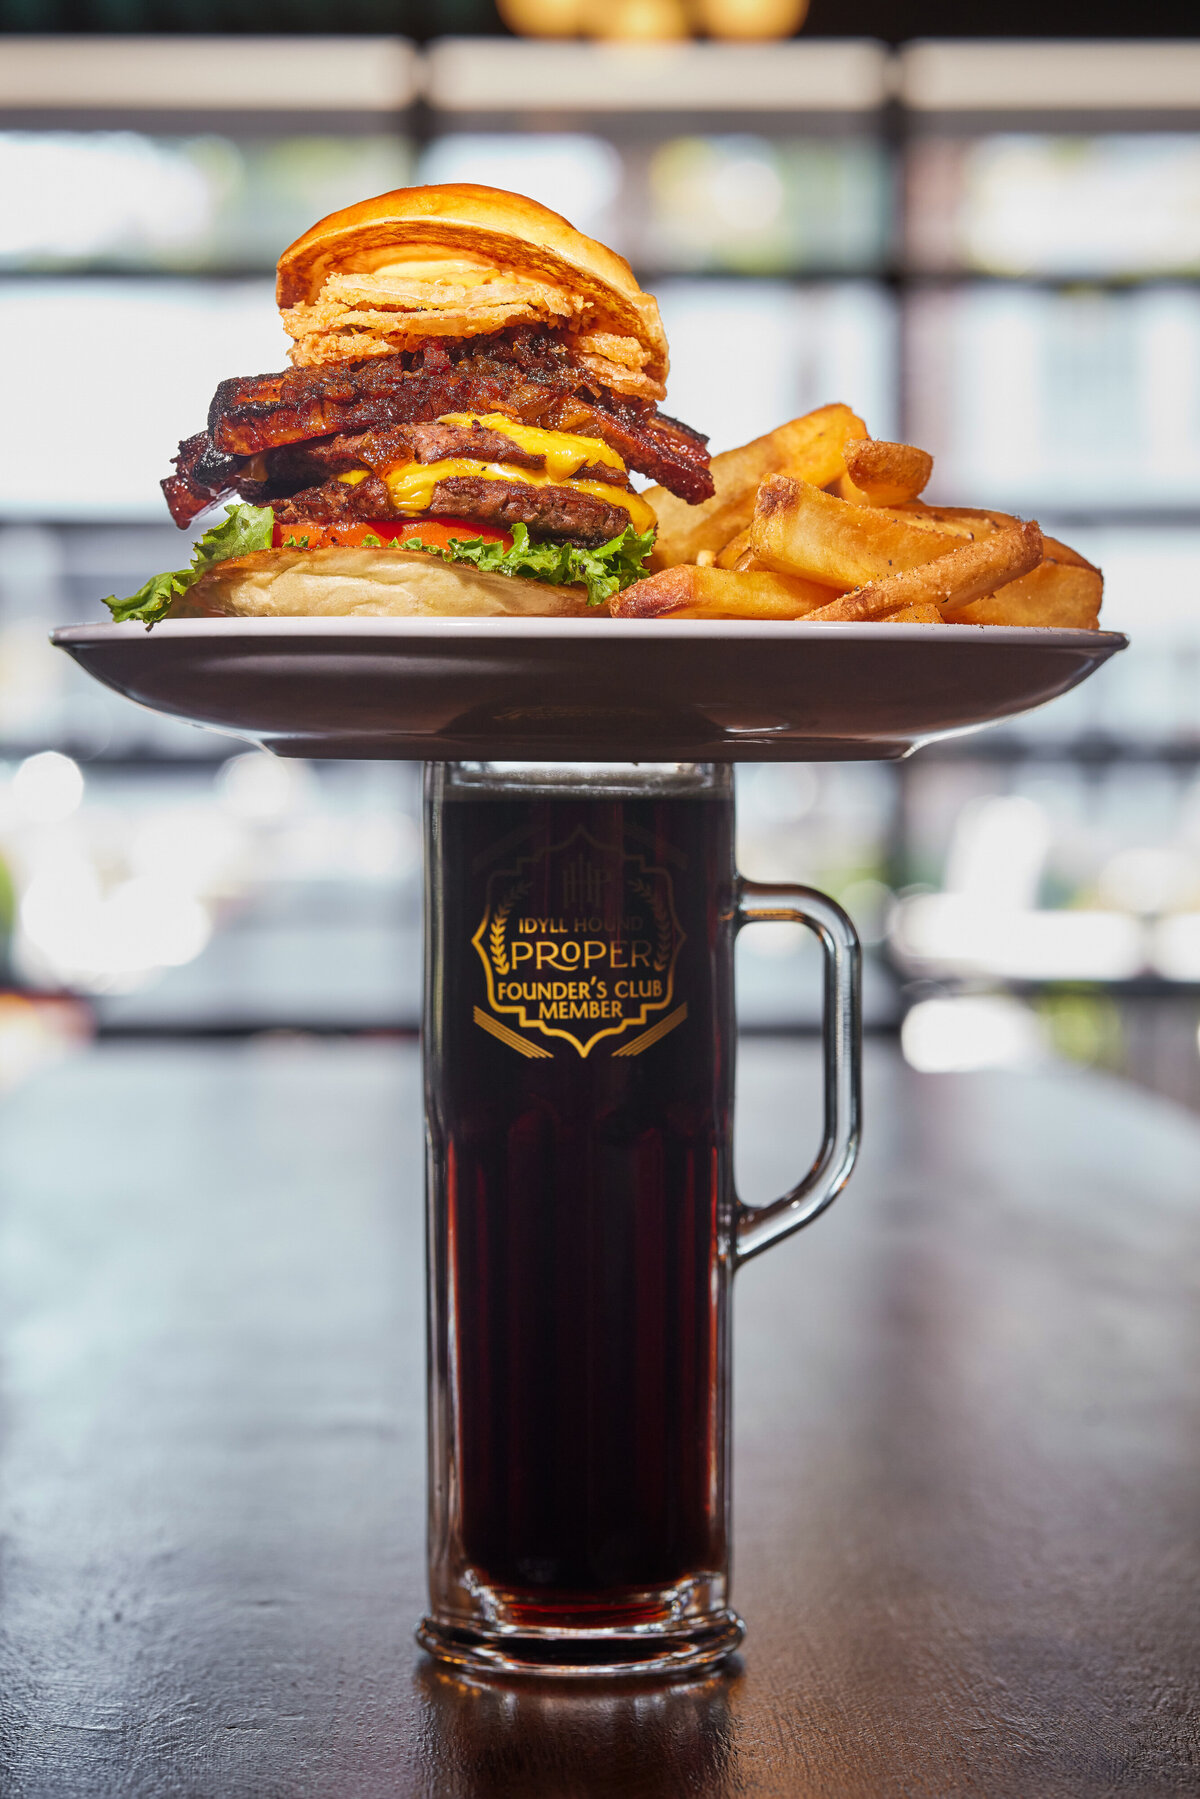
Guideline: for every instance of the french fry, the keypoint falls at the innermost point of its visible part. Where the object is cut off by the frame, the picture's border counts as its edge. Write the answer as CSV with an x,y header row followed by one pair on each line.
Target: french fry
x,y
966,572
959,521
739,555
816,508
883,474
737,548
692,592
811,445
799,530
1063,592
924,612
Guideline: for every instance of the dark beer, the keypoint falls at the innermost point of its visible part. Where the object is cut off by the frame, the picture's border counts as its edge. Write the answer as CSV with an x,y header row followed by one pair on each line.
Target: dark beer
x,y
579,1091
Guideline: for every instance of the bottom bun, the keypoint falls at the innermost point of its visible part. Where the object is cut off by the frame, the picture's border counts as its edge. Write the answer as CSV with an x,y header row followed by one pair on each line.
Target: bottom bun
x,y
356,582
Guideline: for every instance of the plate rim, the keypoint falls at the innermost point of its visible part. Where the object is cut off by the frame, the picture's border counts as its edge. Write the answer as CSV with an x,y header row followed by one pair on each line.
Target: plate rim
x,y
690,629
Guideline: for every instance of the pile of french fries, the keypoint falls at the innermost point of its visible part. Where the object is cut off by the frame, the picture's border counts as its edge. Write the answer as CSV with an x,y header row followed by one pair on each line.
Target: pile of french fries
x,y
818,521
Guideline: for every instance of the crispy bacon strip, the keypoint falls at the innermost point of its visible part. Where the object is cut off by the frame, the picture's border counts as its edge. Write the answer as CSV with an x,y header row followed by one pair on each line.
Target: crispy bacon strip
x,y
202,475
530,376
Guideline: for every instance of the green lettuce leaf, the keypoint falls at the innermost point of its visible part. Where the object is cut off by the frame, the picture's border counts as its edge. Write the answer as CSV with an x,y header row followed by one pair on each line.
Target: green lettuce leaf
x,y
151,601
604,571
243,530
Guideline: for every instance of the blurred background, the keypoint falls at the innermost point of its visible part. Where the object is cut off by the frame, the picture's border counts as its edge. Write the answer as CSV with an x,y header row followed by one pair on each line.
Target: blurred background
x,y
989,248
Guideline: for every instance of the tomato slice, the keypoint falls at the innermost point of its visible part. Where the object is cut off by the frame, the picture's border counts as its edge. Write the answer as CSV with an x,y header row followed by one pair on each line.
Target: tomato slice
x,y
436,532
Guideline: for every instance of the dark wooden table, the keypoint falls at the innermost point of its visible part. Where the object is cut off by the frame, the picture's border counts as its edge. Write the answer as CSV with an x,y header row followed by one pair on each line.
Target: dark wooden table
x,y
967,1465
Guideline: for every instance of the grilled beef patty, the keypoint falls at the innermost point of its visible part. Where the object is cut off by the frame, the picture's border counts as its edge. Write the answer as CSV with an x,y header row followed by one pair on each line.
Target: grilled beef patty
x,y
529,373
561,512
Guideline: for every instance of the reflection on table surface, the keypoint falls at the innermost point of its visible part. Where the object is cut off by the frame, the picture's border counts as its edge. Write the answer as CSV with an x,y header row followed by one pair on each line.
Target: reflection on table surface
x,y
965,1468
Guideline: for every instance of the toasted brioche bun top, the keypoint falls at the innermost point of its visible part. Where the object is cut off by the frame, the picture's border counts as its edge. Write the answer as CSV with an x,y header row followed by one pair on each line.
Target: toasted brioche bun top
x,y
507,230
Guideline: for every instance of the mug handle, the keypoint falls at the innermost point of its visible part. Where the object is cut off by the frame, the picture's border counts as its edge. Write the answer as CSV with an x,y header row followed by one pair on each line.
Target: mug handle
x,y
758,1227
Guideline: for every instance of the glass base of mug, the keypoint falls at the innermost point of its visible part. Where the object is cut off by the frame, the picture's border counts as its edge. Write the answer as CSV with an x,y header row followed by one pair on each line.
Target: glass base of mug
x,y
583,1654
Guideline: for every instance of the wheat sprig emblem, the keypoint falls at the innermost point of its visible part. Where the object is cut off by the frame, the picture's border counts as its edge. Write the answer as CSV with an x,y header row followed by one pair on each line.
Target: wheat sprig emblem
x,y
497,945
656,900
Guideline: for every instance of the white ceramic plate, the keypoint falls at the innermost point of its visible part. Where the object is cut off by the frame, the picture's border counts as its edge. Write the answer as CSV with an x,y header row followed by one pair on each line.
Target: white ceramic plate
x,y
588,689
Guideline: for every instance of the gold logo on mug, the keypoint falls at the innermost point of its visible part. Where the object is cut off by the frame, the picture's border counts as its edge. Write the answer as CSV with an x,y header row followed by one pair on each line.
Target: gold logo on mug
x,y
580,941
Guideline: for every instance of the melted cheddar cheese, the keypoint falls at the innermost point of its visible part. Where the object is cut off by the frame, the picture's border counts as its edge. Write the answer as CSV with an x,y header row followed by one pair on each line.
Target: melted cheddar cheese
x,y
564,452
410,485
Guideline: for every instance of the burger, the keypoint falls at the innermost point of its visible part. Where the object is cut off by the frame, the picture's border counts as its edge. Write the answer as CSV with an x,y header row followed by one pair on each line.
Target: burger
x,y
473,383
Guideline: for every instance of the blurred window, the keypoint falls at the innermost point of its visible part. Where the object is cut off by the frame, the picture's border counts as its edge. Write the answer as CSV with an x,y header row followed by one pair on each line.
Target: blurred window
x,y
126,200
763,205
1149,694
112,374
746,354
251,893
1032,203
1039,398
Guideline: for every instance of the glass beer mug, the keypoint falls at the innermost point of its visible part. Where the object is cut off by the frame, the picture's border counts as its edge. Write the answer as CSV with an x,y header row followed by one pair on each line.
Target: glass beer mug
x,y
583,1228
